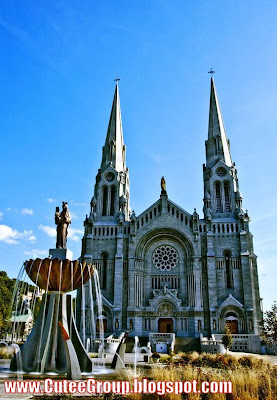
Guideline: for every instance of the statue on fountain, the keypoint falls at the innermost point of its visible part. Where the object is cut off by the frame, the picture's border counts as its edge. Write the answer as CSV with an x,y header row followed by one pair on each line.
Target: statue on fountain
x,y
62,220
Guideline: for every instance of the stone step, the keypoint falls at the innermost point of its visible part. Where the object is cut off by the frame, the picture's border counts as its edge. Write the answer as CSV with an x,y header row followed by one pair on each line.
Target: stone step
x,y
143,340
187,344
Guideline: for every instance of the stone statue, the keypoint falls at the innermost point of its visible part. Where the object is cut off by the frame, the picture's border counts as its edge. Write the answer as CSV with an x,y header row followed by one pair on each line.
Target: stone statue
x,y
163,185
214,325
133,216
250,325
165,287
208,214
62,220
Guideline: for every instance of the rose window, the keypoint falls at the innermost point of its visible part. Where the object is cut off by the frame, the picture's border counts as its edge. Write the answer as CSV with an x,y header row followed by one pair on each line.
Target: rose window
x,y
221,171
165,258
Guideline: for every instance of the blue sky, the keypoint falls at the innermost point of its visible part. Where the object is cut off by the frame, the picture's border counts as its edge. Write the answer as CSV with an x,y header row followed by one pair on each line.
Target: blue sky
x,y
59,59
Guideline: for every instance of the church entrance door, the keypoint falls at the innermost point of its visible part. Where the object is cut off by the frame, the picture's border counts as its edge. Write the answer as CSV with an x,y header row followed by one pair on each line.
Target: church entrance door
x,y
165,325
104,325
233,326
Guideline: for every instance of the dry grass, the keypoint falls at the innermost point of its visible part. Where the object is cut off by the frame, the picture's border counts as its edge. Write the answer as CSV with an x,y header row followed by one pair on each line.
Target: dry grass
x,y
252,378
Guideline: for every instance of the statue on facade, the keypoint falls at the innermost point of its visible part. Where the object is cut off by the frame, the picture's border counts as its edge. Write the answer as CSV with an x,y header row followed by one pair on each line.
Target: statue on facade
x,y
163,185
208,214
133,216
62,220
165,289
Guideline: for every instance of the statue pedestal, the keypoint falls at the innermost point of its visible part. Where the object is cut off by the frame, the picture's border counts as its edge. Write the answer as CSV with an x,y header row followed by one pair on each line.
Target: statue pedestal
x,y
62,254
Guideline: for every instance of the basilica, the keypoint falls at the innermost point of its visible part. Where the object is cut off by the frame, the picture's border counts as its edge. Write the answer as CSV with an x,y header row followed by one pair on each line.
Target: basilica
x,y
167,270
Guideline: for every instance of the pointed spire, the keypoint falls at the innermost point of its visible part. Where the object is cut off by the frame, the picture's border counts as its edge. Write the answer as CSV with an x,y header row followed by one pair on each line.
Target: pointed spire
x,y
114,148
217,143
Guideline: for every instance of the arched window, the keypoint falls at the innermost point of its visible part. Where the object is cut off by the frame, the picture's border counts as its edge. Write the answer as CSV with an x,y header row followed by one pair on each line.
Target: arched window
x,y
112,209
218,197
227,196
104,257
105,200
228,269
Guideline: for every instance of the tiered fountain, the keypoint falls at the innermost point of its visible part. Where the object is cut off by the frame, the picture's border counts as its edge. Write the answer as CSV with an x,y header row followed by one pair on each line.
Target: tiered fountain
x,y
54,344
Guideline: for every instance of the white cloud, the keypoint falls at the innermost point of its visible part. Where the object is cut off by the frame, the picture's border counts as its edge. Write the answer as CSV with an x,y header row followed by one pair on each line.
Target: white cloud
x,y
73,234
11,236
51,200
27,211
74,203
32,238
48,230
1,215
35,253
74,215
10,209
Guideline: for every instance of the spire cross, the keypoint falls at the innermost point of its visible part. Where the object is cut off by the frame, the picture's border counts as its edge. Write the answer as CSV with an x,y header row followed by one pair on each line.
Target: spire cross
x,y
211,72
117,79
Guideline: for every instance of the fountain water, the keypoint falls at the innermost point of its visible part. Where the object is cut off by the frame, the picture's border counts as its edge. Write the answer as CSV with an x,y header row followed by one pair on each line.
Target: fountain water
x,y
136,350
54,345
18,357
49,346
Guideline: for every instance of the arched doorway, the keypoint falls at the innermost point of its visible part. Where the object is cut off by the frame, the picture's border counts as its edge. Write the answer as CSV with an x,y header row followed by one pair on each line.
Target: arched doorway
x,y
231,320
165,325
233,326
98,325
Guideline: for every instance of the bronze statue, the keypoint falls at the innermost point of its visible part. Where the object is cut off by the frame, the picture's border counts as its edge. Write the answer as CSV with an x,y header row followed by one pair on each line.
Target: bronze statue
x,y
62,220
163,185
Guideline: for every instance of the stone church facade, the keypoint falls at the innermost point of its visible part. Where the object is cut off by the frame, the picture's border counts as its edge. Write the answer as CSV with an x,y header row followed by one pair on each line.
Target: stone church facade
x,y
168,270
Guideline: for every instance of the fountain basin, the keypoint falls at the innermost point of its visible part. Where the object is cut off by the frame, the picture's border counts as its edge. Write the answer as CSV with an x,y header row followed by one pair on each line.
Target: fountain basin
x,y
58,275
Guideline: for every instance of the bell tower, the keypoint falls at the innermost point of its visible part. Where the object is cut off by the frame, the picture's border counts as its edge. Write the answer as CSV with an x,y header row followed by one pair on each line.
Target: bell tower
x,y
222,197
111,190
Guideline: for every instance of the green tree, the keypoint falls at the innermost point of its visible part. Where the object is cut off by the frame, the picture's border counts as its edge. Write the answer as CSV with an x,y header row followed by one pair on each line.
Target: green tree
x,y
227,338
6,291
269,327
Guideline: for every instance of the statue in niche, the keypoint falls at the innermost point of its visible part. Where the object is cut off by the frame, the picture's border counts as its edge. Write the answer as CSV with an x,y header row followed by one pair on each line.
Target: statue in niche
x,y
165,288
131,325
208,214
199,325
163,185
121,217
116,324
62,220
214,325
251,325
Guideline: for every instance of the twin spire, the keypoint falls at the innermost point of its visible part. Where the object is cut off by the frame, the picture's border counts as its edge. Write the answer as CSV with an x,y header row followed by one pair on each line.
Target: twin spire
x,y
114,148
217,145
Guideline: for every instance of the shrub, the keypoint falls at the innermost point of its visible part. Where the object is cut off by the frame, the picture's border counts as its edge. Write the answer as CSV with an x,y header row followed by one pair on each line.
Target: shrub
x,y
6,352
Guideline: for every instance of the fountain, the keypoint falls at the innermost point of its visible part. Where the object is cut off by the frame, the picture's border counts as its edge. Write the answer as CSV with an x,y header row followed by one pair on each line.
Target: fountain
x,y
136,350
54,345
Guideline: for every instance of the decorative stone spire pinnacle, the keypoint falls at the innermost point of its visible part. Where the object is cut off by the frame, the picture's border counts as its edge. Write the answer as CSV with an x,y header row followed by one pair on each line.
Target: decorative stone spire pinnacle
x,y
114,148
217,145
